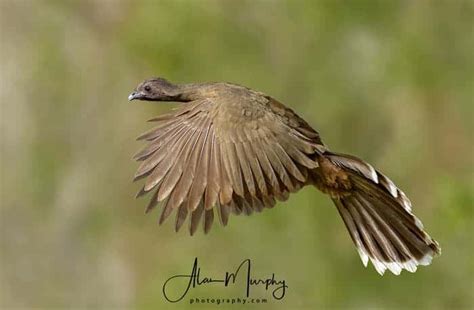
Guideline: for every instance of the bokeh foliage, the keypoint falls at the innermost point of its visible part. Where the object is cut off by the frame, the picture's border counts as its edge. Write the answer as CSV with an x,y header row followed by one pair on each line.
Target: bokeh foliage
x,y
390,81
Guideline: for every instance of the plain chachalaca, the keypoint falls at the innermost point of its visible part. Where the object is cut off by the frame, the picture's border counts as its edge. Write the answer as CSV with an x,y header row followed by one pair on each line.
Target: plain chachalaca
x,y
230,149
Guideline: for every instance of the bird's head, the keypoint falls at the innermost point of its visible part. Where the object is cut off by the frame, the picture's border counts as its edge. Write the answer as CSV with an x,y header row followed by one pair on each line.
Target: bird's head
x,y
155,89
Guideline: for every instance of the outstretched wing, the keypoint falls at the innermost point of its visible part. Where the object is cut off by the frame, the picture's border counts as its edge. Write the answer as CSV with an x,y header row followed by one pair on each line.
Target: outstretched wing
x,y
236,156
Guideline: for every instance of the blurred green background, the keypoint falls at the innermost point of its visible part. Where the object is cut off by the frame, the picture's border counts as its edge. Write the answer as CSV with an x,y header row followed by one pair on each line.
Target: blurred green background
x,y
389,81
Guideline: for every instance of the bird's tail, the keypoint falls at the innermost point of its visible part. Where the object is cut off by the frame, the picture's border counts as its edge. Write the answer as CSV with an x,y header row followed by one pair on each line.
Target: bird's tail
x,y
379,218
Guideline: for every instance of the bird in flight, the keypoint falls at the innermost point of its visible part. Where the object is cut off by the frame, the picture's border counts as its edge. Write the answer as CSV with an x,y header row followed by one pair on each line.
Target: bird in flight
x,y
230,149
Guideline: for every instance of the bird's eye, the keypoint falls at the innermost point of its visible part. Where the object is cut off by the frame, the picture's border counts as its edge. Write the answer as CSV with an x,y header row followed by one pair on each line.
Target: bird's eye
x,y
147,88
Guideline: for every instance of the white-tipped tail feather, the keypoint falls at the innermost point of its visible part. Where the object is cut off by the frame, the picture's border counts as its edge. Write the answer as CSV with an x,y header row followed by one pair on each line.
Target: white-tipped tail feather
x,y
379,219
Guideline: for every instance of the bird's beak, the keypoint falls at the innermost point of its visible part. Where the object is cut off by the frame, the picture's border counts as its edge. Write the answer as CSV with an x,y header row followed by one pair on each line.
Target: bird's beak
x,y
135,95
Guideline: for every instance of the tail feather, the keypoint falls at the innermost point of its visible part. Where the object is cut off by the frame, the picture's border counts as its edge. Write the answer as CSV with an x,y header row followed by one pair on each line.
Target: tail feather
x,y
379,219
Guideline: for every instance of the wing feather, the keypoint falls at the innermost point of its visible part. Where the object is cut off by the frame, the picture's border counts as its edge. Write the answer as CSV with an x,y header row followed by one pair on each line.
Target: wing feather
x,y
158,131
166,211
244,165
225,194
196,218
278,166
200,178
257,172
224,211
165,165
288,163
174,174
181,216
298,156
180,192
208,220
210,154
159,143
213,177
232,167
149,164
266,166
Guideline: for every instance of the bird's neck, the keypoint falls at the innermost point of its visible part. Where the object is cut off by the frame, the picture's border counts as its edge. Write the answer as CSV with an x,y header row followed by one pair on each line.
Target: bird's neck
x,y
187,92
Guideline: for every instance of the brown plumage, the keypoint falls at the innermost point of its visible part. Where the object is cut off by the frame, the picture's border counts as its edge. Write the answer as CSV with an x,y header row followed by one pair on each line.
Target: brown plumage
x,y
230,149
